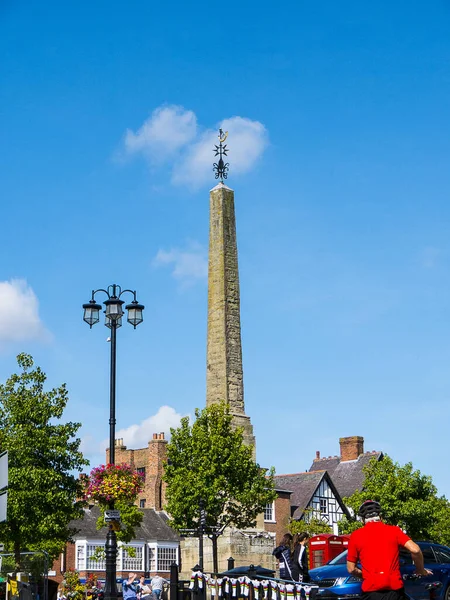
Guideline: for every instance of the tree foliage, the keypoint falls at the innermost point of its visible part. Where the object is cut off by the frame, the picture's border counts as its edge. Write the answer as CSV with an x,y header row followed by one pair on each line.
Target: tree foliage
x,y
210,461
311,526
130,518
408,499
42,454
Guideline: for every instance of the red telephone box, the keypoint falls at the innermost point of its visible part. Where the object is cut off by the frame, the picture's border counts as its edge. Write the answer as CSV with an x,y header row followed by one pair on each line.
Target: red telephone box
x,y
345,539
323,548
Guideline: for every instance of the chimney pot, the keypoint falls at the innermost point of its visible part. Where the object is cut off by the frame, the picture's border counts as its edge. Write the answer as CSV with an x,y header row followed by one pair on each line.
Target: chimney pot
x,y
155,436
317,454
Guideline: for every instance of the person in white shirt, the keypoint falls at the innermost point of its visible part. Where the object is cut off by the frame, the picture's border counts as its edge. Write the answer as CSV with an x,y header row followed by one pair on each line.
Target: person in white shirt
x,y
144,591
157,584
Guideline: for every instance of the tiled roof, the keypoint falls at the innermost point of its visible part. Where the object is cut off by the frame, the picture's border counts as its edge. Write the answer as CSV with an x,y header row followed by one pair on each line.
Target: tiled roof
x,y
326,464
153,527
347,475
303,486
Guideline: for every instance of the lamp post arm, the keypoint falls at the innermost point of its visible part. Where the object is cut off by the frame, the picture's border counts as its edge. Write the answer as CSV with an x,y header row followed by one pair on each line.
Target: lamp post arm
x,y
130,291
99,290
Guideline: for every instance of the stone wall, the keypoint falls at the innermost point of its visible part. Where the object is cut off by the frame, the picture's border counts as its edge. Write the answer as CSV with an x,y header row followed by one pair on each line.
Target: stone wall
x,y
249,547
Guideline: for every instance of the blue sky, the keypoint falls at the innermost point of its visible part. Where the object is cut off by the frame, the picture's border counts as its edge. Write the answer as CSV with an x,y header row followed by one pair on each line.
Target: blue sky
x,y
338,119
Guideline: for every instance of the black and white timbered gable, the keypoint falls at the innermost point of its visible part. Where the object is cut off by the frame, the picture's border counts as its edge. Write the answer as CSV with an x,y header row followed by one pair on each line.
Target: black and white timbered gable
x,y
313,496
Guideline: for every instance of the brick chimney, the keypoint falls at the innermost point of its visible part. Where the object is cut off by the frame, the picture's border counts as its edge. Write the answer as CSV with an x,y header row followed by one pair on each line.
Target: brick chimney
x,y
351,447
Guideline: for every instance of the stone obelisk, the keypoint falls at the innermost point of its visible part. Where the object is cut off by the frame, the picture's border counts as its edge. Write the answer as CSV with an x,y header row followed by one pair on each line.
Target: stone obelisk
x,y
224,374
224,380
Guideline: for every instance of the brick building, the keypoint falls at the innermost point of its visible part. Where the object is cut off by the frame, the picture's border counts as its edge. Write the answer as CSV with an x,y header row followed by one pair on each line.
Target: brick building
x,y
156,545
150,462
277,514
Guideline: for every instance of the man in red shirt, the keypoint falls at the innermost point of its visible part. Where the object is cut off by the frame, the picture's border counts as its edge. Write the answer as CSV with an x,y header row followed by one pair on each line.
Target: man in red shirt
x,y
376,547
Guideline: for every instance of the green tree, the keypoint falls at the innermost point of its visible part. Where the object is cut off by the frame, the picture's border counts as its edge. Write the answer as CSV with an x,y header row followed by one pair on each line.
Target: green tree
x,y
130,518
408,499
310,525
209,461
42,455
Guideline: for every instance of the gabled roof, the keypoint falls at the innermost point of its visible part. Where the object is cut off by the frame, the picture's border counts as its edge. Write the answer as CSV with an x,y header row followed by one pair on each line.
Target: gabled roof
x,y
303,486
346,475
153,527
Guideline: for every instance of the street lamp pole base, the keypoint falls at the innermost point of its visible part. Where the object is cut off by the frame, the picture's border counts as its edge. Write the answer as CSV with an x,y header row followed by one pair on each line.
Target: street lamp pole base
x,y
111,558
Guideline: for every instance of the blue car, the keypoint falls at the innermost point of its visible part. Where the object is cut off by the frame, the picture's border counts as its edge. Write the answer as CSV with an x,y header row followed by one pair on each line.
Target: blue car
x,y
336,584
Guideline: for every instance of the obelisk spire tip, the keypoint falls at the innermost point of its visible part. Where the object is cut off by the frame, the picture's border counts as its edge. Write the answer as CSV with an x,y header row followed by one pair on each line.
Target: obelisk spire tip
x,y
220,168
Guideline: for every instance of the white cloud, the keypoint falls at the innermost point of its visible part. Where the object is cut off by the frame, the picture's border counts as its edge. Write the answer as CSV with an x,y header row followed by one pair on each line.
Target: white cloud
x,y
248,142
171,133
167,130
139,434
189,265
19,313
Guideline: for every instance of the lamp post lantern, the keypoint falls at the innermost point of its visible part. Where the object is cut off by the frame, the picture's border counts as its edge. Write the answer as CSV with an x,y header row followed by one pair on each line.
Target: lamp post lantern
x,y
113,320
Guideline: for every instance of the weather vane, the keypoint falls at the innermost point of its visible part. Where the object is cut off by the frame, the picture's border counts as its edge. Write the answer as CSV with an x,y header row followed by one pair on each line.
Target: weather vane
x,y
220,168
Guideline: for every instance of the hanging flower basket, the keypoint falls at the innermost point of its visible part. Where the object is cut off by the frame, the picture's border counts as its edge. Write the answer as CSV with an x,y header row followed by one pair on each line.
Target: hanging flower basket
x,y
108,483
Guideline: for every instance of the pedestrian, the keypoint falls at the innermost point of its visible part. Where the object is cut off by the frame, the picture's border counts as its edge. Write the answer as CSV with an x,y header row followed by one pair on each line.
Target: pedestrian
x,y
283,554
157,584
376,546
130,587
144,591
300,571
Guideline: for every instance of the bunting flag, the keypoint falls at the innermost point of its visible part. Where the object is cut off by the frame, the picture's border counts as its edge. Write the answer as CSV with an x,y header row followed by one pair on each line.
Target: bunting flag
x,y
290,591
219,587
234,587
212,585
243,582
266,589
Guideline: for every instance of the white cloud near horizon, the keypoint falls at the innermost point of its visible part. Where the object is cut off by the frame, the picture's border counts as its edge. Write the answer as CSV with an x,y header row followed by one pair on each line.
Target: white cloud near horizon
x,y
139,434
190,265
19,313
135,436
171,134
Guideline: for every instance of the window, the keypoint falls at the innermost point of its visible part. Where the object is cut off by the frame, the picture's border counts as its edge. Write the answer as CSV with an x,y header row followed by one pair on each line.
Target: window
x,y
141,470
443,555
95,557
166,556
269,512
132,563
81,565
142,503
428,554
323,506
152,559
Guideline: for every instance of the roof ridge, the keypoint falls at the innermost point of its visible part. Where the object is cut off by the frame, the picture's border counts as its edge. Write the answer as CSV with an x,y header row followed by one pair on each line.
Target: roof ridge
x,y
301,473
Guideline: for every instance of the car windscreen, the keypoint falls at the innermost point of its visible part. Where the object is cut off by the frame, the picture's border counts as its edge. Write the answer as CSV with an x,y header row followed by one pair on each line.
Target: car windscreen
x,y
340,559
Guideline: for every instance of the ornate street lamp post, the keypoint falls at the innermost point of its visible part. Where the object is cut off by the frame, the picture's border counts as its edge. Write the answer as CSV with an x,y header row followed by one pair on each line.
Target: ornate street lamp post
x,y
113,320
